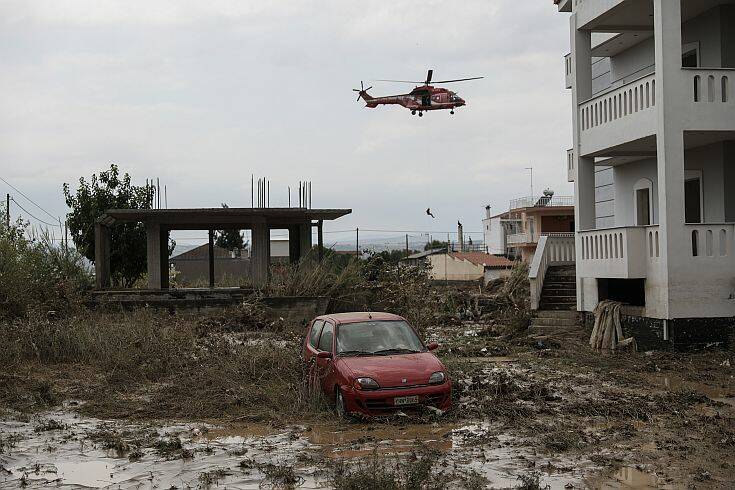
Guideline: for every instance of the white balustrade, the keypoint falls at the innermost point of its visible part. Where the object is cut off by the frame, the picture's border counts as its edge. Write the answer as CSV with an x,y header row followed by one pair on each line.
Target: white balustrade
x,y
621,103
613,253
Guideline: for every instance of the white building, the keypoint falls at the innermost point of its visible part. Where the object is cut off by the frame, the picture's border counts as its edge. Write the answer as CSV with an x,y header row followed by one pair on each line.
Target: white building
x,y
516,232
653,163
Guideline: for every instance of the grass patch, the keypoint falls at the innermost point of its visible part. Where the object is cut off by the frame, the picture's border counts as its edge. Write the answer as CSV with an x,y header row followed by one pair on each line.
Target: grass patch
x,y
167,362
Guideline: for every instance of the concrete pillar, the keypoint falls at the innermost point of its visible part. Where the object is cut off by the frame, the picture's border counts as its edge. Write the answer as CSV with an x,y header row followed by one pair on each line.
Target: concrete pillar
x,y
210,257
164,258
294,244
320,240
670,109
584,178
102,256
153,255
261,253
304,239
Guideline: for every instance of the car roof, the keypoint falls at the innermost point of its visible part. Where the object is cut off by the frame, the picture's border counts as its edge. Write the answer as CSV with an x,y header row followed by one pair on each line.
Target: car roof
x,y
360,316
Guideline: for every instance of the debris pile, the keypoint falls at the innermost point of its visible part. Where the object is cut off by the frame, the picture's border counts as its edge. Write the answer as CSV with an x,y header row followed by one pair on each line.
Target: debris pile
x,y
607,334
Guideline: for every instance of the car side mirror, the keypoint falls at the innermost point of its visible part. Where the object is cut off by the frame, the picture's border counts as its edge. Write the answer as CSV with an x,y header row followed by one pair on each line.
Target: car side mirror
x,y
324,355
432,346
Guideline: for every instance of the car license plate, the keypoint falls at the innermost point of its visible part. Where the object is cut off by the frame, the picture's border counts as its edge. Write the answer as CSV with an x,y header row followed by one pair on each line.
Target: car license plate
x,y
405,400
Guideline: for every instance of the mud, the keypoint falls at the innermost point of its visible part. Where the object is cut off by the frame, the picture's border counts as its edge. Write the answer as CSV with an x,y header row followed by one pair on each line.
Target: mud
x,y
528,410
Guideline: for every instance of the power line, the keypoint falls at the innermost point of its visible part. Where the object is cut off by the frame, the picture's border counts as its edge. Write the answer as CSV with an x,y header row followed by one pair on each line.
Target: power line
x,y
34,217
28,198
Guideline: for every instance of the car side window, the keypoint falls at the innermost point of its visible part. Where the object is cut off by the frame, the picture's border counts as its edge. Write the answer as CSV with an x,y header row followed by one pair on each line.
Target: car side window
x,y
316,329
325,341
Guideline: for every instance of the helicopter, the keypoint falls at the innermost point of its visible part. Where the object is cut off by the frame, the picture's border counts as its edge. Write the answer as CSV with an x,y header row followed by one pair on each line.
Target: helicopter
x,y
424,97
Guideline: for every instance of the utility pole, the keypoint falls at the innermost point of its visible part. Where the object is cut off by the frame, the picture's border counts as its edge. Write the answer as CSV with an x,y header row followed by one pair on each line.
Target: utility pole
x,y
7,211
357,241
531,169
407,245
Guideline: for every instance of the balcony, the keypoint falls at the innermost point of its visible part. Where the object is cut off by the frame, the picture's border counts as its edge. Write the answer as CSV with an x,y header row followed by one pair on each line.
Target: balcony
x,y
627,114
541,202
518,239
614,253
618,116
712,98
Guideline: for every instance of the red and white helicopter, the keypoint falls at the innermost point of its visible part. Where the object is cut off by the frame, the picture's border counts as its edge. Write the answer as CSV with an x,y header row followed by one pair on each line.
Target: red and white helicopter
x,y
424,97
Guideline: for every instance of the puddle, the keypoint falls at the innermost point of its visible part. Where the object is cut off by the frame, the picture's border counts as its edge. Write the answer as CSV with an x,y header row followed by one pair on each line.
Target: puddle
x,y
364,440
629,477
236,456
676,384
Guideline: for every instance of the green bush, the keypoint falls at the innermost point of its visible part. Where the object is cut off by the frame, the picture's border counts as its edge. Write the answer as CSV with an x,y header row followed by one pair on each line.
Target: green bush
x,y
38,275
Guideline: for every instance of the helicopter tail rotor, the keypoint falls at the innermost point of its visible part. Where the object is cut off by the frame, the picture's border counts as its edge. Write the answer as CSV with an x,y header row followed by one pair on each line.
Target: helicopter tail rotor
x,y
362,92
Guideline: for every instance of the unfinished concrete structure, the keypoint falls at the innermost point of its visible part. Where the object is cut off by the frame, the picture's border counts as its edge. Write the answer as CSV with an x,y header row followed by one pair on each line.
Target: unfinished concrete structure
x,y
160,222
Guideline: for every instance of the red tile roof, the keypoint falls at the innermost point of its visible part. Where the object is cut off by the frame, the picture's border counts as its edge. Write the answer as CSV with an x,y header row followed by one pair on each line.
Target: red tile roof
x,y
479,258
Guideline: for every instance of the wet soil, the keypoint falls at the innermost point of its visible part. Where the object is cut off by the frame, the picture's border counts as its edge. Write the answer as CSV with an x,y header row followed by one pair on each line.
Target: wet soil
x,y
545,410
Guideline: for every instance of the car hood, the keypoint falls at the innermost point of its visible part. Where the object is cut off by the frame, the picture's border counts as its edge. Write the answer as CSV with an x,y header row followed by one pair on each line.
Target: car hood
x,y
390,371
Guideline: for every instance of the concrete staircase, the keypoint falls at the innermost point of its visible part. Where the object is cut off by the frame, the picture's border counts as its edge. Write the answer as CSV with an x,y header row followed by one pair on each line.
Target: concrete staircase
x,y
558,305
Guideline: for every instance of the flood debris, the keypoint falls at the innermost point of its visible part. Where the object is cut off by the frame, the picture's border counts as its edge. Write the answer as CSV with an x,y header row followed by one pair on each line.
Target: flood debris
x,y
607,333
219,399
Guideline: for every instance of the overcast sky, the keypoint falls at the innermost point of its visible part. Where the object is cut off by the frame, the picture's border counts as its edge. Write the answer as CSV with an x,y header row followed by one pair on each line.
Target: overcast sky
x,y
205,93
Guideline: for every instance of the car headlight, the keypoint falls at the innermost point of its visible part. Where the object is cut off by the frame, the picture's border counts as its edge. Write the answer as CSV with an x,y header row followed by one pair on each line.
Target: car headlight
x,y
437,378
366,384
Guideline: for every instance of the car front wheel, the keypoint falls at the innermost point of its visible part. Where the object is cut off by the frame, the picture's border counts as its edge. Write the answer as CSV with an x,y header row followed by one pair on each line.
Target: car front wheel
x,y
341,407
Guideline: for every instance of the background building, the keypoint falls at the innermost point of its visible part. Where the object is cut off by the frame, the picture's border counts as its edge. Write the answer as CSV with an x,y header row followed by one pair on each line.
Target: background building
x,y
468,266
516,232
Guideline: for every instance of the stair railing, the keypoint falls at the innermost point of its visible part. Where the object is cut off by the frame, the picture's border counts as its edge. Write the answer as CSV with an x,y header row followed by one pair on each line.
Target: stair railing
x,y
550,251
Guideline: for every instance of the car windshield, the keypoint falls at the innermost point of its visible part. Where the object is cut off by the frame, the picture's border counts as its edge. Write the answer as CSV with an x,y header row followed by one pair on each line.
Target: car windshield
x,y
377,338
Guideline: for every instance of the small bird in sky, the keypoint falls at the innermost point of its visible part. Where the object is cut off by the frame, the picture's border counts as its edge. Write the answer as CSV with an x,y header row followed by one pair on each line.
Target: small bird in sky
x,y
428,211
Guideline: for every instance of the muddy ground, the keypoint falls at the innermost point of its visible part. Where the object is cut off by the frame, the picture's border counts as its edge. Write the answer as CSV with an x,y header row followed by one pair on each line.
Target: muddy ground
x,y
530,412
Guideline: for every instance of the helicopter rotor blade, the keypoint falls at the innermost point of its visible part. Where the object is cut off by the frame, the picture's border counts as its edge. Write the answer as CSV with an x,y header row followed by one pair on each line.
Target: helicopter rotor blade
x,y
458,80
428,76
401,81
368,88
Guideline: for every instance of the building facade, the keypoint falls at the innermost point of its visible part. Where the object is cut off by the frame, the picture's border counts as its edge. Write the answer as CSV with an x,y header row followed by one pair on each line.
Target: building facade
x,y
653,159
468,266
516,232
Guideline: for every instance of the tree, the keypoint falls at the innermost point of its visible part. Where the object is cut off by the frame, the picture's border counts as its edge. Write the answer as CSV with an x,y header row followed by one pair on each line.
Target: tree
x,y
435,244
90,201
232,240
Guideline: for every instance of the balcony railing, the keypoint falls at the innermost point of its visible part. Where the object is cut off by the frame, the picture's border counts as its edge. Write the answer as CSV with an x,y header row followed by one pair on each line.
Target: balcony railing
x,y
621,103
518,239
714,85
541,202
618,253
713,242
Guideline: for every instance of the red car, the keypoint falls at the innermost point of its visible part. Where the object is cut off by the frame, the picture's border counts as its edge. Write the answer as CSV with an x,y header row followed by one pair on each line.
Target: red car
x,y
373,364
